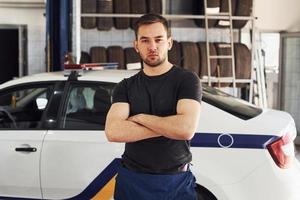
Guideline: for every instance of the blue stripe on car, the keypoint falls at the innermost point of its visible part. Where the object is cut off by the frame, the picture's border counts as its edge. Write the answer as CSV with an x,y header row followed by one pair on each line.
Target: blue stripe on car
x,y
217,140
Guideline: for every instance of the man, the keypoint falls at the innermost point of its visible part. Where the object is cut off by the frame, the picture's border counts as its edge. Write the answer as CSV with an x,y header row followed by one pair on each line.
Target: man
x,y
155,112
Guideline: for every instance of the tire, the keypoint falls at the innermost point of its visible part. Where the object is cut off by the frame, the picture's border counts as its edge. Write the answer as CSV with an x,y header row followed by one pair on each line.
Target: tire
x,y
85,57
174,55
190,53
131,56
203,69
116,54
242,63
225,65
204,194
199,10
154,6
121,6
243,8
137,7
224,7
88,6
98,54
104,23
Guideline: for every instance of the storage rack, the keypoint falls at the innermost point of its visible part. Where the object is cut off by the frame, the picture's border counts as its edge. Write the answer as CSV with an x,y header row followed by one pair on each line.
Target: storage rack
x,y
255,73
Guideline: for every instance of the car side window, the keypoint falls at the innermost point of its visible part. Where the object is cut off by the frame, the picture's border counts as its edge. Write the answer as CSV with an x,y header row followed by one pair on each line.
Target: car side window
x,y
237,107
23,108
87,106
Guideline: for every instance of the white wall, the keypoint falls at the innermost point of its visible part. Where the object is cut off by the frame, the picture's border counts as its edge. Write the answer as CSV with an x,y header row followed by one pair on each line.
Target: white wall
x,y
277,15
36,24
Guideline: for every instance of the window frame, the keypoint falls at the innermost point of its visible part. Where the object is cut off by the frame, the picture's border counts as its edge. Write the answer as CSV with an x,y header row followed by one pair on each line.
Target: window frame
x,y
68,87
30,85
231,109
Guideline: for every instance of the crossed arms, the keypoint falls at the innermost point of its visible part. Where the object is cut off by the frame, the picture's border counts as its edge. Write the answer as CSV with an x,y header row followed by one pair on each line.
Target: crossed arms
x,y
120,127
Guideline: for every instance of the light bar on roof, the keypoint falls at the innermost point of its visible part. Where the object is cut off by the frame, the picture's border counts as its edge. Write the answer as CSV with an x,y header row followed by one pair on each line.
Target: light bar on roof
x,y
69,67
91,66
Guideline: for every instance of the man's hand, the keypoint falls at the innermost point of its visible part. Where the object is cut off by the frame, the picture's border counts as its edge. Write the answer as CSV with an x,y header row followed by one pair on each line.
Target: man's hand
x,y
181,126
135,118
119,128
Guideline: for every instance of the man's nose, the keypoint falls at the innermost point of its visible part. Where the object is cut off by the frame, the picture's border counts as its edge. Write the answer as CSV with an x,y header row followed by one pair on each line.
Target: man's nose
x,y
152,46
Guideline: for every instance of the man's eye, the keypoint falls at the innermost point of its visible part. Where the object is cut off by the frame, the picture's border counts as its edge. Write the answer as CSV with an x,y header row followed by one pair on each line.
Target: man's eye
x,y
144,41
158,40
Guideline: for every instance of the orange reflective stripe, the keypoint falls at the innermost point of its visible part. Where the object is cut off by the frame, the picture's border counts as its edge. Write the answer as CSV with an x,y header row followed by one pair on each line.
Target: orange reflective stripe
x,y
107,192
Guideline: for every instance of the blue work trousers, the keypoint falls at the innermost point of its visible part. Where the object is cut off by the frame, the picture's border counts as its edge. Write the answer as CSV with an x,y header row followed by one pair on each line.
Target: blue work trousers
x,y
139,186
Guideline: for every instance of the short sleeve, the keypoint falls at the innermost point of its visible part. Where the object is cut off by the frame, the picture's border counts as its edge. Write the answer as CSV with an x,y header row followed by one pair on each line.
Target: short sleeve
x,y
190,87
120,92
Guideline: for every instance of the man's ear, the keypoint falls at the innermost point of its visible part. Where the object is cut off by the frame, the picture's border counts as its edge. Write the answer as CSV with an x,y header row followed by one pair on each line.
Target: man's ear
x,y
170,43
135,45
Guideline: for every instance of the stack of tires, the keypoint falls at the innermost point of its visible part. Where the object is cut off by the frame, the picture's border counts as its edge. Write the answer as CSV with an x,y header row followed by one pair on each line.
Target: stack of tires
x,y
194,58
117,7
112,54
189,55
238,8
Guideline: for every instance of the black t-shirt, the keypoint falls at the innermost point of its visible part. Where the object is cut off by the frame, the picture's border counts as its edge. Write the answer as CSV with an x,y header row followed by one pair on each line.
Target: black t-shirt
x,y
157,95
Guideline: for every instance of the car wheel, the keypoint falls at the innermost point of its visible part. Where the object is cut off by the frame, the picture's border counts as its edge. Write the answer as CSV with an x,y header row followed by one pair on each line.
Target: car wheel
x,y
204,194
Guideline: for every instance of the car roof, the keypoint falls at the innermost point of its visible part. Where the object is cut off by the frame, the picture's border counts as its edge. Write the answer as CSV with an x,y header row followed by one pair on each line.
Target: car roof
x,y
113,76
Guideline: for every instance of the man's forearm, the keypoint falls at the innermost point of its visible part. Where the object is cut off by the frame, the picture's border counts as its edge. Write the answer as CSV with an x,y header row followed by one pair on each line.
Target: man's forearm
x,y
128,131
177,127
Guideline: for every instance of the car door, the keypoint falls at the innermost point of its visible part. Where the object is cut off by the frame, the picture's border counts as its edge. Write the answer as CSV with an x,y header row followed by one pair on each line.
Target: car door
x,y
21,135
77,160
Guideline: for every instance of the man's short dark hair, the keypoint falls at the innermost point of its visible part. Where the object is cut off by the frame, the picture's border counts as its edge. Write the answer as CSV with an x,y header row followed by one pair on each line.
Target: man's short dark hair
x,y
150,19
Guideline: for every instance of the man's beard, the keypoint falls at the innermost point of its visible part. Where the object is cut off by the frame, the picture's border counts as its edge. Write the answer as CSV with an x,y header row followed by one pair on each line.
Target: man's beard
x,y
154,64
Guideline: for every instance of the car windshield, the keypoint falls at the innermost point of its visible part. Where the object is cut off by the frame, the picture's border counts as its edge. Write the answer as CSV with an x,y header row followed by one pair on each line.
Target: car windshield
x,y
230,104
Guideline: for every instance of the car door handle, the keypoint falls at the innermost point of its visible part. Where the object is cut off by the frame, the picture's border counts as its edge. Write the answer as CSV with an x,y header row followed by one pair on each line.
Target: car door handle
x,y
26,149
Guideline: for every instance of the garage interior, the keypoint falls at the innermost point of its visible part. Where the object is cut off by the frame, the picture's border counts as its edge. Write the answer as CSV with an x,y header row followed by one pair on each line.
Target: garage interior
x,y
35,35
9,51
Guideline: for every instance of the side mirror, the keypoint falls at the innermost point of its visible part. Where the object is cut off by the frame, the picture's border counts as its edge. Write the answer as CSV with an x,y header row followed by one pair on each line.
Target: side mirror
x,y
41,103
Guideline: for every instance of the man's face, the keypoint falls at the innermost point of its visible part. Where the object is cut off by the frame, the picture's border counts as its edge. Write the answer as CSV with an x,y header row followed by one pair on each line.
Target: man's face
x,y
153,44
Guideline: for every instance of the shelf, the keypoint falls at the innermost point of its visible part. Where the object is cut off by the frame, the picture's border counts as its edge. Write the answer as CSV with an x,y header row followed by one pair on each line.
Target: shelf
x,y
225,80
168,16
221,57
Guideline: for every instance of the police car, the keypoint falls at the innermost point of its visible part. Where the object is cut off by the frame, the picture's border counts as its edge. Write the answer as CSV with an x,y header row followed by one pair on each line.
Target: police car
x,y
53,145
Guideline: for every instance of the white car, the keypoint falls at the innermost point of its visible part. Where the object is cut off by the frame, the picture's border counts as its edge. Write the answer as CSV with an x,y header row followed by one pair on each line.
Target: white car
x,y
53,145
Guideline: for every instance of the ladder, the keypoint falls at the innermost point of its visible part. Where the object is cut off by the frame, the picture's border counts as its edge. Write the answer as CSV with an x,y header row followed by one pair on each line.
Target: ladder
x,y
259,82
257,90
230,45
